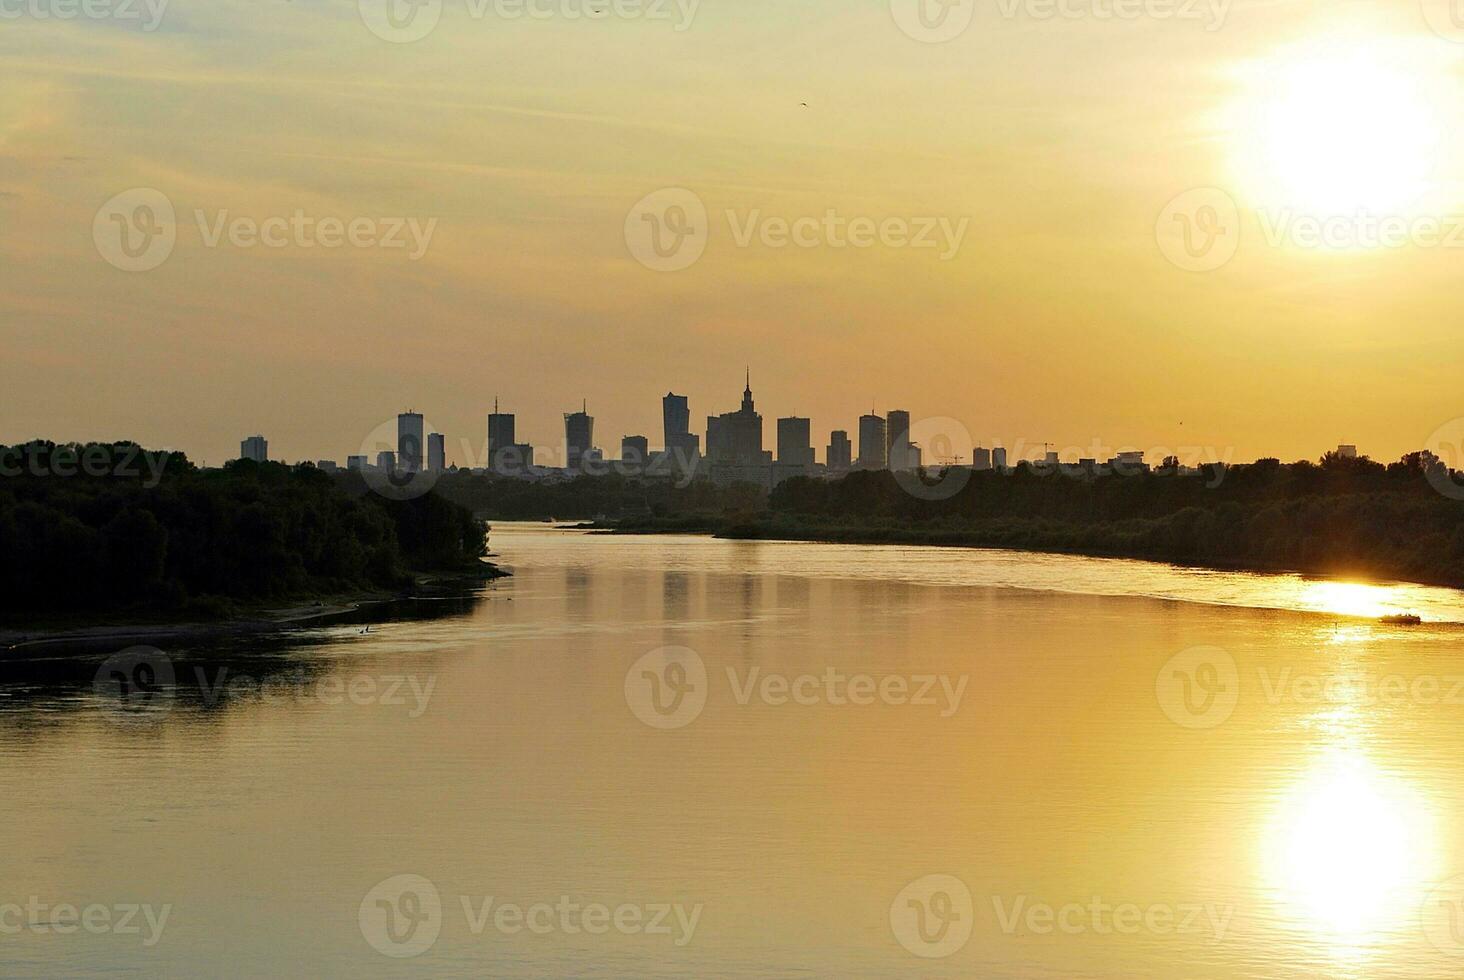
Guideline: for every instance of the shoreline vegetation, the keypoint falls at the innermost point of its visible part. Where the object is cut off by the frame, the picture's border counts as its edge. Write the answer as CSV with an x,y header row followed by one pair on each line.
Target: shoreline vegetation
x,y
1341,517
108,541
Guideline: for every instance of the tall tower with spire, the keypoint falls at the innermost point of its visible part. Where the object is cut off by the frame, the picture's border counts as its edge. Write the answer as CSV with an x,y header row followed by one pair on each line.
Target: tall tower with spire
x,y
747,408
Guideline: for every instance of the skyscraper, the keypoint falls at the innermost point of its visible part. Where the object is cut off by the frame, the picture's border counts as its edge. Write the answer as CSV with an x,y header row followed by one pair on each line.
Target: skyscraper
x,y
794,448
579,437
500,433
897,440
735,438
675,417
682,447
436,452
505,456
410,442
255,448
873,447
840,455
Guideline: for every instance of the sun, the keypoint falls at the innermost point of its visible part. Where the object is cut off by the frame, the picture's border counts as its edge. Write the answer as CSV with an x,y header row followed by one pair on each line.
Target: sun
x,y
1342,125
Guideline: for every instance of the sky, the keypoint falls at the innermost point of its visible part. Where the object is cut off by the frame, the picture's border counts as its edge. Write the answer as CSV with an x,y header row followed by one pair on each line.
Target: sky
x,y
1024,187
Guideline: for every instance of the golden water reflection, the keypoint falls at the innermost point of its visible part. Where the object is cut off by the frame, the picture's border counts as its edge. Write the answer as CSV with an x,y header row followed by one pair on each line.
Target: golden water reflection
x,y
1351,851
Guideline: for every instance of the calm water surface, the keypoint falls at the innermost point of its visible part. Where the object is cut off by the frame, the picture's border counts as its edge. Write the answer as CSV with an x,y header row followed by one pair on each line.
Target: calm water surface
x,y
794,759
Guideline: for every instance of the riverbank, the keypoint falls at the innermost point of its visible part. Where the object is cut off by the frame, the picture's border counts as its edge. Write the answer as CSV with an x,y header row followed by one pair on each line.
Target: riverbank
x,y
140,628
1037,537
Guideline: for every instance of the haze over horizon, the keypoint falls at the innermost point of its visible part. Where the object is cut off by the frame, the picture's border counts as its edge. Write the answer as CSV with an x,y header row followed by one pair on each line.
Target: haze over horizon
x,y
1057,318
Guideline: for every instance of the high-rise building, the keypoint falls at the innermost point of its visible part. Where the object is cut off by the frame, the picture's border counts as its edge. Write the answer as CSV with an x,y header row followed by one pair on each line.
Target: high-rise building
x,y
436,452
794,446
355,463
255,448
735,438
873,447
386,461
675,417
410,442
681,445
980,458
500,432
579,437
897,440
635,450
998,458
840,456
505,456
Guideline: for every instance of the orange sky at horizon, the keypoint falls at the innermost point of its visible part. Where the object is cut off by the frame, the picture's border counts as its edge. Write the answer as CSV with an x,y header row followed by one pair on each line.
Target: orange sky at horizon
x,y
1055,144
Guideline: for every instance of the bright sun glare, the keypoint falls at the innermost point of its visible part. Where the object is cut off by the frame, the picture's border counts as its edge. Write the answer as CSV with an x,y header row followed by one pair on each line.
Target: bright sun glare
x,y
1349,850
1340,125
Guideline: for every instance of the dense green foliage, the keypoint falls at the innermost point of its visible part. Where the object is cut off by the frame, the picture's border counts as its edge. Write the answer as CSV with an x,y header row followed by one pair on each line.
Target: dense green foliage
x,y
154,533
589,497
1342,516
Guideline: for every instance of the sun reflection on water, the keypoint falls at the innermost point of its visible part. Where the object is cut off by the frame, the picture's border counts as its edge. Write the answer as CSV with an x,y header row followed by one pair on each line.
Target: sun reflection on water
x,y
1359,598
1349,851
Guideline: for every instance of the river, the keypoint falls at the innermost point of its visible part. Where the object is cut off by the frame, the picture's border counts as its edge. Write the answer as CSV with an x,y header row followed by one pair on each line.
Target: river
x,y
674,756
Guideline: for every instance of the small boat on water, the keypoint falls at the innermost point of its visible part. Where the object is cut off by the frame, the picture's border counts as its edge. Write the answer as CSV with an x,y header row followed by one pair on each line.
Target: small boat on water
x,y
1401,619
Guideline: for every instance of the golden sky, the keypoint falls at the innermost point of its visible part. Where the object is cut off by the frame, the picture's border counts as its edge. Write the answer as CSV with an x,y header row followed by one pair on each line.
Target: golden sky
x,y
1056,144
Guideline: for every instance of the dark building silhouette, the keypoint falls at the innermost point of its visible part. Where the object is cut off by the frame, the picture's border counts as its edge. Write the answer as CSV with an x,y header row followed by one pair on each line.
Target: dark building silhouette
x,y
635,450
579,437
873,446
410,442
736,438
506,457
436,452
897,441
255,448
681,445
840,455
794,445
